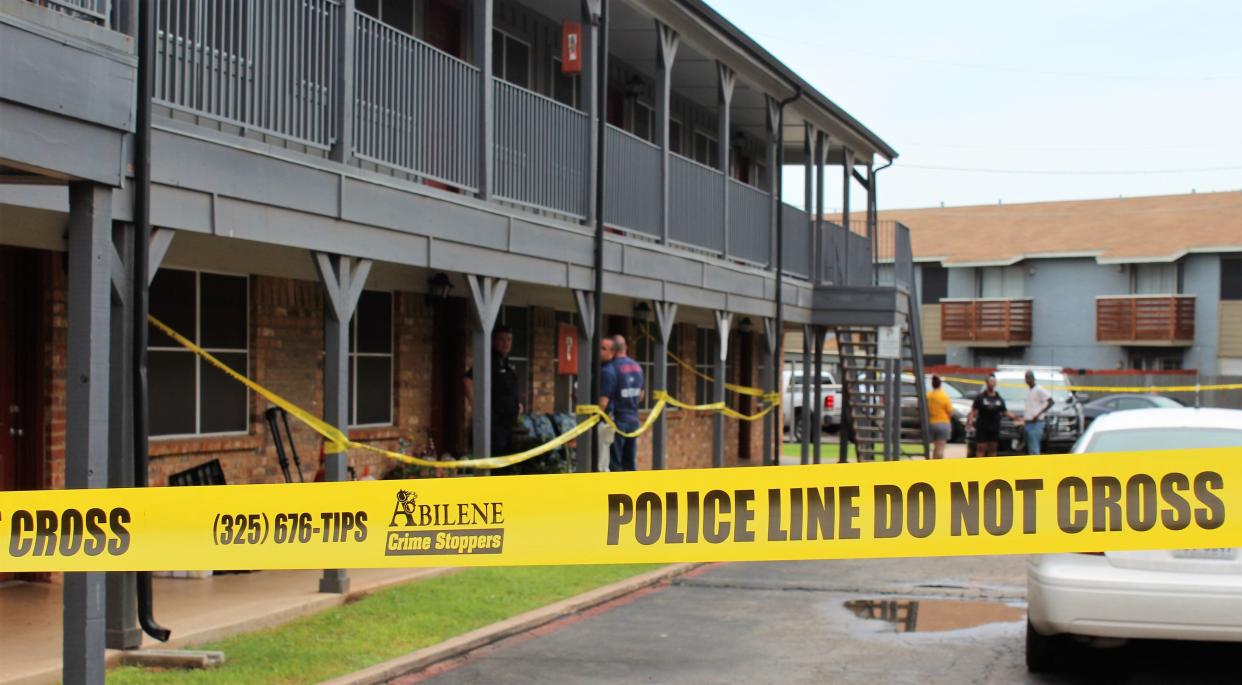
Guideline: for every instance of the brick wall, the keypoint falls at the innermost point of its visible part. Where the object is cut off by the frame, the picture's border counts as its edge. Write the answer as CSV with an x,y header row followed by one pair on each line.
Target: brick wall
x,y
286,355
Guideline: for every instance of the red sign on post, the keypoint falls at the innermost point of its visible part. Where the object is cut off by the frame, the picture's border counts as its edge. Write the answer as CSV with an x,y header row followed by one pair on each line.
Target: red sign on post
x,y
566,349
571,47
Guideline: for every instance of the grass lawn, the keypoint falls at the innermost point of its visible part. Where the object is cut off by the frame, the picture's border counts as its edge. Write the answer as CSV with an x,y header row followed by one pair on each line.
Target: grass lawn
x,y
386,625
830,451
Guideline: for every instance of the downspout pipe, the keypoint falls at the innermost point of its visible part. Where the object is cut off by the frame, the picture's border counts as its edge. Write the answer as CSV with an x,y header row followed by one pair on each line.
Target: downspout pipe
x,y
601,75
779,357
873,206
142,223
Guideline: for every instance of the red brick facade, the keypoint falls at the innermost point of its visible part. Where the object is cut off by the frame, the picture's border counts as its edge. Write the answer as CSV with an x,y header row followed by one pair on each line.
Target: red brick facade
x,y
286,355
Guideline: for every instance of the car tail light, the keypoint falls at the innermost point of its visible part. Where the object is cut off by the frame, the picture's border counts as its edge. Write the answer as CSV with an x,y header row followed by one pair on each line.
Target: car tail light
x,y
829,401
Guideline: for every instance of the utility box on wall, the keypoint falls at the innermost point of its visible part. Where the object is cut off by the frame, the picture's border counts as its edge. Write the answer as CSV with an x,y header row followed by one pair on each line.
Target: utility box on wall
x,y
566,349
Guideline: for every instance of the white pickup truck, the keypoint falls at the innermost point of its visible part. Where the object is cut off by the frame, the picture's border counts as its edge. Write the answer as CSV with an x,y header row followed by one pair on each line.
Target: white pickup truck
x,y
791,401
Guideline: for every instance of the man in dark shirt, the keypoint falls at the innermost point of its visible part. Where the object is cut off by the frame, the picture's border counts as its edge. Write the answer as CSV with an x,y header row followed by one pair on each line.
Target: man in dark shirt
x,y
506,399
985,416
621,385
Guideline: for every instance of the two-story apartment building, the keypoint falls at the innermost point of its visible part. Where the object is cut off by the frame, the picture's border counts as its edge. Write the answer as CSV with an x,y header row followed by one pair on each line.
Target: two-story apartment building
x,y
1151,283
342,198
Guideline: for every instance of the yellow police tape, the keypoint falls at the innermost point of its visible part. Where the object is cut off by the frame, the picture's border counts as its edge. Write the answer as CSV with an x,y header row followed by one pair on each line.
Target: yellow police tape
x,y
1181,499
339,442
1108,388
731,387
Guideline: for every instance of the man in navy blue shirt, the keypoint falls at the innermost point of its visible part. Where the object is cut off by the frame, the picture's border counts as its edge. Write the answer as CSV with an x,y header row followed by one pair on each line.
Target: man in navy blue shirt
x,y
621,390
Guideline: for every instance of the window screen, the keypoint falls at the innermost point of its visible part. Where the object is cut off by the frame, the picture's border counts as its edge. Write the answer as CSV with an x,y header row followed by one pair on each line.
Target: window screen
x,y
190,396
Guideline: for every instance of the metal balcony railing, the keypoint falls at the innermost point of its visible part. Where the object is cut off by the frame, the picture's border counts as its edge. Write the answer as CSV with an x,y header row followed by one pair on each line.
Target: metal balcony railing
x,y
1145,319
991,321
695,204
797,245
276,67
541,151
750,234
264,66
414,106
632,196
94,11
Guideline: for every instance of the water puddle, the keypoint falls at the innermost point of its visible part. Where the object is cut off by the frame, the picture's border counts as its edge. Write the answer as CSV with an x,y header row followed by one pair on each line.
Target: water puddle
x,y
934,615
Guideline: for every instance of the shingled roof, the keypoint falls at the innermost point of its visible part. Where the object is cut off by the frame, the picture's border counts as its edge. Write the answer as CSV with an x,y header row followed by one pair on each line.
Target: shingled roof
x,y
1139,229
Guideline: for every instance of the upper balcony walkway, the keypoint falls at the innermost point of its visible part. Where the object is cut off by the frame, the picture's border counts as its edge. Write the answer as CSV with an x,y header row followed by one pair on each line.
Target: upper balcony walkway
x,y
690,141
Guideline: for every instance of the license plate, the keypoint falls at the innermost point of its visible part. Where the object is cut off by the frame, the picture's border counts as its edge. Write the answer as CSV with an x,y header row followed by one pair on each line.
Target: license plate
x,y
1219,553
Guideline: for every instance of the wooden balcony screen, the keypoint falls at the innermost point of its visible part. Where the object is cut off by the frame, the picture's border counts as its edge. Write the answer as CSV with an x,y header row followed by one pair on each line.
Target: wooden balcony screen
x,y
1003,321
1151,319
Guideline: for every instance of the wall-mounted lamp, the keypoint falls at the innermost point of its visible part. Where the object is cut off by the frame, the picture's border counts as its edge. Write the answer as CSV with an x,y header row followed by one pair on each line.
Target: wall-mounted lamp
x,y
745,325
634,87
438,288
641,310
739,141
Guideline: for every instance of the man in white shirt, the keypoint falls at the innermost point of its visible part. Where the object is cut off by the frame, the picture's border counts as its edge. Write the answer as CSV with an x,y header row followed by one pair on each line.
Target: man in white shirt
x,y
1038,402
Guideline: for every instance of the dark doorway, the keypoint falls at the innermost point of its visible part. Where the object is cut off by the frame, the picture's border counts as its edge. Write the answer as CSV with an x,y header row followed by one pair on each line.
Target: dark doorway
x,y
21,372
442,27
448,367
746,403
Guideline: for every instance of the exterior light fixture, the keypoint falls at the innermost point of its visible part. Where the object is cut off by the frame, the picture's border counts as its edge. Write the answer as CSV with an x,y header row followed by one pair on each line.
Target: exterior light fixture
x,y
439,287
641,310
745,325
634,87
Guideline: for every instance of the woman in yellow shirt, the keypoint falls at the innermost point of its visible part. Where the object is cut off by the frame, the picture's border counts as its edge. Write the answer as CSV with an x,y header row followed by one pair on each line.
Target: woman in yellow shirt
x,y
940,416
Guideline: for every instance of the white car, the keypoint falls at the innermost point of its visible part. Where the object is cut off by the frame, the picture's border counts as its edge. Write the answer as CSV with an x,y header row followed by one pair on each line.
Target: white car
x,y
1106,598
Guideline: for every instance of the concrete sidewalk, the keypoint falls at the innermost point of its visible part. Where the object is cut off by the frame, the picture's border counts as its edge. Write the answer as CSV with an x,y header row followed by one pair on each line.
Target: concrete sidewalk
x,y
196,610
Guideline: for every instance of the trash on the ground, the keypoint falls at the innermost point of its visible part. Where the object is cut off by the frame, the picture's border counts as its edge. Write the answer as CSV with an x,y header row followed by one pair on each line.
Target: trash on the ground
x,y
172,658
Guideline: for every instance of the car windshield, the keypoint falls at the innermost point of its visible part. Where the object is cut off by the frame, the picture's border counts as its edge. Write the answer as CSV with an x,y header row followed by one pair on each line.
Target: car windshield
x,y
1017,393
1163,439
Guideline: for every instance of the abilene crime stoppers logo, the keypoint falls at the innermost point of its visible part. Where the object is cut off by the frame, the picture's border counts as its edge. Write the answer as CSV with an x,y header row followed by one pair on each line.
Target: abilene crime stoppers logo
x,y
456,528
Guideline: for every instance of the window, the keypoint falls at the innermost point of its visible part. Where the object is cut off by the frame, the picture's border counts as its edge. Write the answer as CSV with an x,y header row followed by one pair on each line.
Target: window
x,y
1001,281
935,284
518,319
371,361
1158,360
643,351
706,149
398,14
1155,279
189,396
564,86
644,121
510,59
1231,278
674,136
704,349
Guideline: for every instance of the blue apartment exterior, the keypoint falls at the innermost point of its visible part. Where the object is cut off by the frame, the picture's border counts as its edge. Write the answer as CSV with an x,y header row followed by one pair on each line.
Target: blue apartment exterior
x,y
1143,283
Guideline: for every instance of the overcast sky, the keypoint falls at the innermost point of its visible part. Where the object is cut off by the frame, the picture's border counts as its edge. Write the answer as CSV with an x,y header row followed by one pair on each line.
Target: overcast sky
x,y
1043,87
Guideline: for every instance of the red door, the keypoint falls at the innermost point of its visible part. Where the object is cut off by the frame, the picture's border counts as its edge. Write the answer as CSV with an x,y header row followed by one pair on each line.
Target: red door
x,y
746,403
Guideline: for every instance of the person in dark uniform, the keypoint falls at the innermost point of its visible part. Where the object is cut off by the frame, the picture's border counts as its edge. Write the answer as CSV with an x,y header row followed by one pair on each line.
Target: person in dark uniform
x,y
506,398
621,387
985,416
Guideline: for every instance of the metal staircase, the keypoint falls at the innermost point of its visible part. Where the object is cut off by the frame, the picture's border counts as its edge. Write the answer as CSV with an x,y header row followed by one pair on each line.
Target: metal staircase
x,y
882,413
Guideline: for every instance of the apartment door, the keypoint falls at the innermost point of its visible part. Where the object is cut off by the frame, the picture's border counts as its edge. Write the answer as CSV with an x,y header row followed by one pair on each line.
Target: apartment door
x,y
450,338
21,367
